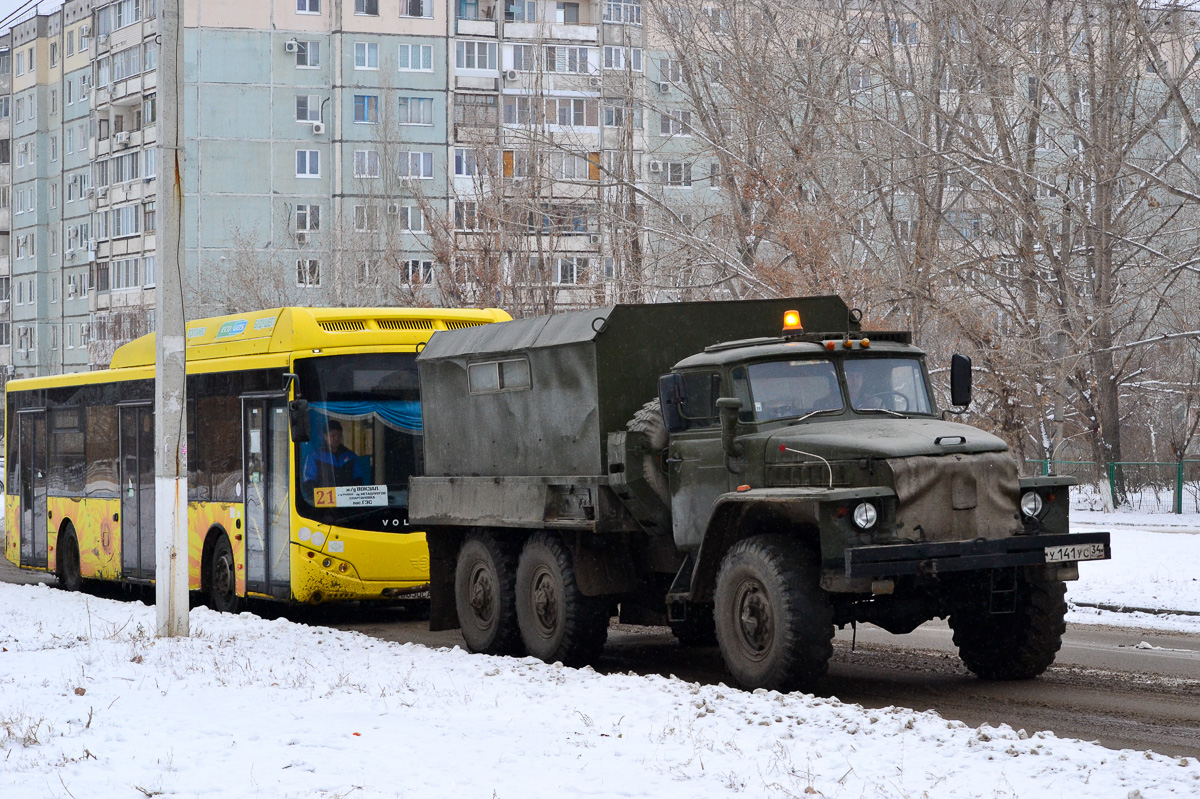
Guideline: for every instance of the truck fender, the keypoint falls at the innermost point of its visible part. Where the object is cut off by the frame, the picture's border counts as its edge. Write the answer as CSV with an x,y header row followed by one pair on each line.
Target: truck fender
x,y
444,543
803,513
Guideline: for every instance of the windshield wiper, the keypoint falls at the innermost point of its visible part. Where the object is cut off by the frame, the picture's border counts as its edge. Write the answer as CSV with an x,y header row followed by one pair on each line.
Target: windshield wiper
x,y
881,410
814,413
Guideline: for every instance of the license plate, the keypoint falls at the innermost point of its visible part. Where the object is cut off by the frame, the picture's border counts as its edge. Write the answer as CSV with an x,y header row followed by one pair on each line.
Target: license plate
x,y
1072,552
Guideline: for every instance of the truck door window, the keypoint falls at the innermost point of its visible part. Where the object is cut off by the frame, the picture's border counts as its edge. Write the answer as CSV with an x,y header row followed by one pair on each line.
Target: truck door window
x,y
700,405
889,384
785,389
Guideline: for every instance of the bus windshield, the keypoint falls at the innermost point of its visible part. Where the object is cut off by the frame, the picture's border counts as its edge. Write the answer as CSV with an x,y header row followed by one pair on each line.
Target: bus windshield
x,y
365,422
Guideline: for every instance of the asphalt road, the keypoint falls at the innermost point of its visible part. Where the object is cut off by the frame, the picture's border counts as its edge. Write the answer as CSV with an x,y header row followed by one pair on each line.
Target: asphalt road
x,y
1121,687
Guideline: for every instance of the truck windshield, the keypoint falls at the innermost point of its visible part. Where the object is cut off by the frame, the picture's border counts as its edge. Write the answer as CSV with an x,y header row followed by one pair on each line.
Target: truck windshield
x,y
887,384
786,389
365,418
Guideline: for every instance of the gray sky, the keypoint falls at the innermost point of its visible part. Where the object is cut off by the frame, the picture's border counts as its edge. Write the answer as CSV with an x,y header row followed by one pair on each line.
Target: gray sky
x,y
9,6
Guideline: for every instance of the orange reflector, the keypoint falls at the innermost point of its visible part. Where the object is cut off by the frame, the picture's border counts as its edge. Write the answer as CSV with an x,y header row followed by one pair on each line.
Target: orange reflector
x,y
829,345
743,488
847,343
866,342
791,320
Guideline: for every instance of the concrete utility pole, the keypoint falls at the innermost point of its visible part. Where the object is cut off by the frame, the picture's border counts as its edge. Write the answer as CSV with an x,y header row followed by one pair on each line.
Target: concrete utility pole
x,y
170,386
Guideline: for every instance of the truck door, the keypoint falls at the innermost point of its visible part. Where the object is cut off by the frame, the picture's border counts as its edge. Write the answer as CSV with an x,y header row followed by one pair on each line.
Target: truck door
x,y
268,506
31,469
137,491
697,470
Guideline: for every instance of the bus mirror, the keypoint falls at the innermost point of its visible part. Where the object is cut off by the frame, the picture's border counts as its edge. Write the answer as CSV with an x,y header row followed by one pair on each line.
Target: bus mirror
x,y
288,379
298,417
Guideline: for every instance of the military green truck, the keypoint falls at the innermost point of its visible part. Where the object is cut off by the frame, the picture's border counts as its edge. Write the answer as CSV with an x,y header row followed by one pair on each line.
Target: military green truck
x,y
751,472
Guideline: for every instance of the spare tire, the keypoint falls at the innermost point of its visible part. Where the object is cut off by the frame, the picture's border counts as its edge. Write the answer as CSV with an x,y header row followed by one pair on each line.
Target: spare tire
x,y
649,422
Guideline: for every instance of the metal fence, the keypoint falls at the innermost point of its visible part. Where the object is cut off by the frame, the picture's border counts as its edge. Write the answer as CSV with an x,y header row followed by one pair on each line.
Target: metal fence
x,y
1148,487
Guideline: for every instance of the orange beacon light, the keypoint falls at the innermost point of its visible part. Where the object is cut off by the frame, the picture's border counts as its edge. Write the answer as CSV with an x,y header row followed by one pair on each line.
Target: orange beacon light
x,y
791,321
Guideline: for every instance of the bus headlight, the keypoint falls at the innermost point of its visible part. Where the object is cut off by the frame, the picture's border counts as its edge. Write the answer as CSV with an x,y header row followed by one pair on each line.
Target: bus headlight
x,y
1031,503
865,515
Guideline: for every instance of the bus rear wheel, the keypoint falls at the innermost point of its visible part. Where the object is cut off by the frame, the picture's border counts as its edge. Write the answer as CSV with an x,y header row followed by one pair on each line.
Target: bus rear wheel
x,y
70,577
222,577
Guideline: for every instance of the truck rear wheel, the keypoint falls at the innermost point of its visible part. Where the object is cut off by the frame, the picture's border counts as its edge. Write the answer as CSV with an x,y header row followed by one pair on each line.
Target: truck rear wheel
x,y
774,623
557,622
1010,646
649,422
484,595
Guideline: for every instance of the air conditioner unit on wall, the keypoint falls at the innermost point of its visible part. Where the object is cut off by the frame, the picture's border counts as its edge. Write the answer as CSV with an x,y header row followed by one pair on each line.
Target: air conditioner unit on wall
x,y
393,208
656,166
291,46
594,81
318,128
594,238
664,87
102,191
122,137
302,237
102,40
511,75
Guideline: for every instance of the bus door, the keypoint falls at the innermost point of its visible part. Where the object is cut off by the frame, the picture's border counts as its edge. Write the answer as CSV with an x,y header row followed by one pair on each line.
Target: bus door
x,y
32,485
265,450
137,491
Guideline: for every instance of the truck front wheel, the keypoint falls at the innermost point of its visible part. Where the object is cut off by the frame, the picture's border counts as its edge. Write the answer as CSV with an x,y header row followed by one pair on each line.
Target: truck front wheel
x,y
1017,645
558,623
484,595
774,623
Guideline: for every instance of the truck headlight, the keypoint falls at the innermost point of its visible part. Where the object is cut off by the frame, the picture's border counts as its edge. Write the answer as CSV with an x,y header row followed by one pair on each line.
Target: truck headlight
x,y
865,515
1031,503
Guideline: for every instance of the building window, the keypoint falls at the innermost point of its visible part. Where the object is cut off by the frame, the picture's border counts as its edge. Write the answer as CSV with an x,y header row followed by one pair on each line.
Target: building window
x,y
570,271
566,13
415,58
308,6
416,165
411,218
418,271
623,12
623,58
149,217
308,163
570,166
572,112
466,162
149,109
416,8
368,7
671,70
308,108
475,55
366,109
366,163
5,334
308,54
678,173
567,59
308,272
466,215
520,11
366,218
415,111
308,217
679,125
524,57
366,55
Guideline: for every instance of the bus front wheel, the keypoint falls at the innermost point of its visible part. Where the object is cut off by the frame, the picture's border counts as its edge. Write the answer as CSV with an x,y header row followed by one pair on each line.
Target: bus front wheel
x,y
222,577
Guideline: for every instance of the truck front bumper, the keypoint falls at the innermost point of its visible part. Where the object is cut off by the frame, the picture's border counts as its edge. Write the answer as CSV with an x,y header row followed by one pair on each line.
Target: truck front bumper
x,y
894,560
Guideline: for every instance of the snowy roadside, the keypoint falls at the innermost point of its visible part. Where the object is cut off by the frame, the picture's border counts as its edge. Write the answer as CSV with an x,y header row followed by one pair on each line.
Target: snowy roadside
x,y
1150,570
92,705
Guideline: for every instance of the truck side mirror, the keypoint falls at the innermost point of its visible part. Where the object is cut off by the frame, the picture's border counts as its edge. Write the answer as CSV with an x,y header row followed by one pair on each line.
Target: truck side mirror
x,y
960,381
671,397
728,408
298,421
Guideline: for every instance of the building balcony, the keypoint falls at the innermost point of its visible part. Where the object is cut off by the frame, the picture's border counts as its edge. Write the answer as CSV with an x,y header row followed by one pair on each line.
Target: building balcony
x,y
545,31
475,27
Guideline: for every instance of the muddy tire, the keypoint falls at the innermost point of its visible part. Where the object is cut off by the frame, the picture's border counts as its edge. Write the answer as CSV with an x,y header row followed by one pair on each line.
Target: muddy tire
x,y
222,577
70,578
484,595
774,624
1010,646
698,629
649,422
557,622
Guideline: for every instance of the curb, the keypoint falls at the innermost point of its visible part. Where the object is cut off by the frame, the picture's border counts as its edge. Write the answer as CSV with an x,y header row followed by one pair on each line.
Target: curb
x,y
1132,609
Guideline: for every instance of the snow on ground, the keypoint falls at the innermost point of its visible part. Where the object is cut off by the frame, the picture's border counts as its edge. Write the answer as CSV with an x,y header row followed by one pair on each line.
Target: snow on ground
x,y
92,705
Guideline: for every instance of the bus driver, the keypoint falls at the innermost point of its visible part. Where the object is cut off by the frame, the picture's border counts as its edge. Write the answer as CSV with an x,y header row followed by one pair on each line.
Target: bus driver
x,y
332,464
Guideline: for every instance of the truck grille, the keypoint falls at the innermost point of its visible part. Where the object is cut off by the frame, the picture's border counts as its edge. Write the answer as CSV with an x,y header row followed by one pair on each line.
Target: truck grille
x,y
956,497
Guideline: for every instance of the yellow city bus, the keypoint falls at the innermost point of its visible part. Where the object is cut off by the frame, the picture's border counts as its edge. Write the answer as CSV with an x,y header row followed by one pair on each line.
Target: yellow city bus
x,y
274,511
